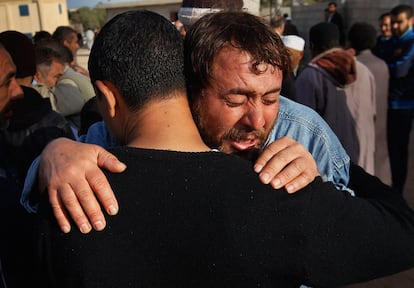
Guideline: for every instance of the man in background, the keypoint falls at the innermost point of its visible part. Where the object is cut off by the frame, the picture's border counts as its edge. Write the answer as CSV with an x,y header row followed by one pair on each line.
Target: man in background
x,y
401,93
362,38
334,17
332,84
68,37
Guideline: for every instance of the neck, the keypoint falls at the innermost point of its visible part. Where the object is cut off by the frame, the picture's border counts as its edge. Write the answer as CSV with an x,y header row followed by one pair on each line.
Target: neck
x,y
164,125
26,81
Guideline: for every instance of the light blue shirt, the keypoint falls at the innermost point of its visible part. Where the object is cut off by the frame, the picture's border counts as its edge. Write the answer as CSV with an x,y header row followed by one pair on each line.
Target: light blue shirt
x,y
295,120
307,127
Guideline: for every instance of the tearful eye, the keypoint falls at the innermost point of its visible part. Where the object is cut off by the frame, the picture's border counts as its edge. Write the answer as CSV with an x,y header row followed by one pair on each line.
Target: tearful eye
x,y
235,100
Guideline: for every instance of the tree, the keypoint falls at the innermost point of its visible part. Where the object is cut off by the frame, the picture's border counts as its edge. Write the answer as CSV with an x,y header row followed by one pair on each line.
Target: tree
x,y
89,18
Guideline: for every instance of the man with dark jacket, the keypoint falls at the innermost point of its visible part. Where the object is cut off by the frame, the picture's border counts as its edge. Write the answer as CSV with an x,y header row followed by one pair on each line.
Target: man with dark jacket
x,y
335,17
32,124
9,91
401,93
332,84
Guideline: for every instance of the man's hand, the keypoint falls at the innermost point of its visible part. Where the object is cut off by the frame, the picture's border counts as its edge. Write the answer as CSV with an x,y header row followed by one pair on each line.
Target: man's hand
x,y
70,171
286,163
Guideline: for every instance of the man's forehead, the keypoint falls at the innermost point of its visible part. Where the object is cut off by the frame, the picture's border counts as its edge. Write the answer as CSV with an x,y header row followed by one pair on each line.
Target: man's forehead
x,y
400,16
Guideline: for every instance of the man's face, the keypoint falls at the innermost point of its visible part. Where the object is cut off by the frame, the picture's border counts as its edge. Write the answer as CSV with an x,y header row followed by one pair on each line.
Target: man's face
x,y
331,8
9,88
238,109
385,26
400,24
49,76
73,44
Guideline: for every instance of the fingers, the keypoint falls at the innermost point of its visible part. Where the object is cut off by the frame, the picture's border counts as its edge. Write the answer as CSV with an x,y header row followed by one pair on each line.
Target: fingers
x,y
108,161
71,173
99,183
286,163
297,174
59,212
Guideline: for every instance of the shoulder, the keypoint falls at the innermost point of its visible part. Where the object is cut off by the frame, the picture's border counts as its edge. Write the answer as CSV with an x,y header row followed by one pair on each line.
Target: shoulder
x,y
293,115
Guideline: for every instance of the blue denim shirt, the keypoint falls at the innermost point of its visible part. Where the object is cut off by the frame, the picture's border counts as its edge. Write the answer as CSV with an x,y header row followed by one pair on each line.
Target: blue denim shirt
x,y
309,129
295,120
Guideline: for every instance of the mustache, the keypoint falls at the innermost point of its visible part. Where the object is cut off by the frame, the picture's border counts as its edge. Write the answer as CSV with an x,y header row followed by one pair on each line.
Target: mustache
x,y
240,135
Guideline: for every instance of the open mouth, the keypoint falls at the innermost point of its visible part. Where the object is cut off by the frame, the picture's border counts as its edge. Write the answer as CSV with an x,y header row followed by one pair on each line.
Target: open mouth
x,y
245,144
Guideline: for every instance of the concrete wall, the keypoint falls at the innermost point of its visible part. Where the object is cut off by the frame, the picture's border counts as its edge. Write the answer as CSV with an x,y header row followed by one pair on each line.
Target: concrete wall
x,y
41,15
167,10
305,16
53,13
11,19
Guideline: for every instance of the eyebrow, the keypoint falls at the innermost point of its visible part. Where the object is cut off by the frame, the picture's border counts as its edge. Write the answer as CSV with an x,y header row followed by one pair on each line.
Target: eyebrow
x,y
9,76
247,92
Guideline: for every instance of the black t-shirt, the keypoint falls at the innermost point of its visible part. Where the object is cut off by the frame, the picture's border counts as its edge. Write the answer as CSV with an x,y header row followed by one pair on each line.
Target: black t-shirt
x,y
204,220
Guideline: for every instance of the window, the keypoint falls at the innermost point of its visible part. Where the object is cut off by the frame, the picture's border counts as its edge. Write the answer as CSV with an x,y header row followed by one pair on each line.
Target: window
x,y
24,10
60,8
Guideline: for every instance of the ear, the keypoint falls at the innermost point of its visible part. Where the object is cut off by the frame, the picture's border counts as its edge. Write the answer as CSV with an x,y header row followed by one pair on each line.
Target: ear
x,y
37,76
108,96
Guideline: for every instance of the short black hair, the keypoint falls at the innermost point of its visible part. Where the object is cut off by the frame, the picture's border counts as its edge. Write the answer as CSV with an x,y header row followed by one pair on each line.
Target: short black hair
x,y
362,36
332,3
63,33
403,8
324,36
141,53
64,52
45,56
40,35
383,15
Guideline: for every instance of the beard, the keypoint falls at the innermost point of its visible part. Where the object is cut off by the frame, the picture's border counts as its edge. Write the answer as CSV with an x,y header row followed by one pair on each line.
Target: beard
x,y
237,135
220,141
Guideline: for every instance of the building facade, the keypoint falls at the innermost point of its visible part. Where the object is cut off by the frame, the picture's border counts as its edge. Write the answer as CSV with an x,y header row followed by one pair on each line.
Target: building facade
x,y
29,16
166,8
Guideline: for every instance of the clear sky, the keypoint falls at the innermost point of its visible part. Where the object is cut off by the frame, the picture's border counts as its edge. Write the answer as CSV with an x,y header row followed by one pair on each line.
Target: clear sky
x,y
73,4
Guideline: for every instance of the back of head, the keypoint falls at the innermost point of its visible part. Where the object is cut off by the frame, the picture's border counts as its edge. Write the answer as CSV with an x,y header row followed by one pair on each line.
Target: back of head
x,y
22,52
141,53
362,36
63,33
192,10
45,56
241,30
277,21
62,50
40,35
324,36
403,8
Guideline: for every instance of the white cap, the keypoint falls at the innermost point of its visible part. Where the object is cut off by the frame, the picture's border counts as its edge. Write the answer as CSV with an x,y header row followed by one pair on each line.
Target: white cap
x,y
294,42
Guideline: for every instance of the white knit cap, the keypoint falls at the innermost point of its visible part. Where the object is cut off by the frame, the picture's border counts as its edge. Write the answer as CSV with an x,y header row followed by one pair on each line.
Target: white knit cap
x,y
294,42
192,10
189,15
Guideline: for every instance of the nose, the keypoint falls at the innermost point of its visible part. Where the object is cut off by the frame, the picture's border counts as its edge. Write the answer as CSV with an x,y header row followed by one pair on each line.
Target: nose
x,y
255,116
15,91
